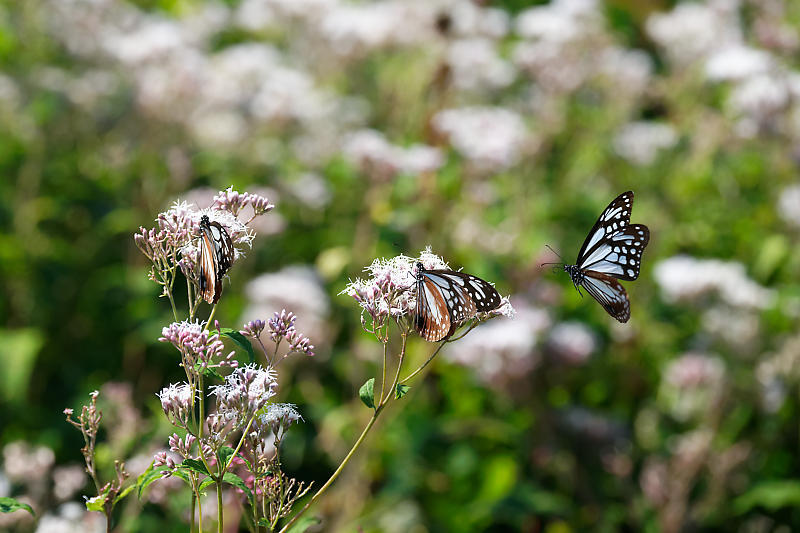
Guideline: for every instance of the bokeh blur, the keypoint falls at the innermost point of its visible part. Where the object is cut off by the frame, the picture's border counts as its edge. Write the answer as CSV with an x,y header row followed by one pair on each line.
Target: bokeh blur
x,y
486,130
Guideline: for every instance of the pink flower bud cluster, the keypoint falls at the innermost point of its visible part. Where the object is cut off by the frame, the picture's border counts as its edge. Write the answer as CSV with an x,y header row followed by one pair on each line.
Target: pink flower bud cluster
x,y
197,346
182,447
234,201
281,326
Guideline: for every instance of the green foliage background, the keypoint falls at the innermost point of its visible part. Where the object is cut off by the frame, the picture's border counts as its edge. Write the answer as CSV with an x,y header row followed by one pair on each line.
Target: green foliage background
x,y
455,454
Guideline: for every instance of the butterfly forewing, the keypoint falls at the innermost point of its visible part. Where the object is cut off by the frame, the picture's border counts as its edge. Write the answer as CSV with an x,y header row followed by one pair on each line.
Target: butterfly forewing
x,y
445,299
614,217
619,255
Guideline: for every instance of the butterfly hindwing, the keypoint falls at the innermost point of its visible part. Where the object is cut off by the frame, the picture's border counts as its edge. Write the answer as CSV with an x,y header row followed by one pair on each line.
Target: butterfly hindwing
x,y
432,319
216,257
609,293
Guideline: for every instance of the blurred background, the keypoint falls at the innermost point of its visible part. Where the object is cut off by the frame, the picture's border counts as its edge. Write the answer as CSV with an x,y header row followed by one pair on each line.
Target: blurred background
x,y
484,129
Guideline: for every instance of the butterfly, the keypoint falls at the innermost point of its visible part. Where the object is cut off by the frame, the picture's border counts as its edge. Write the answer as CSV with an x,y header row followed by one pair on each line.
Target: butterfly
x,y
612,250
216,257
446,298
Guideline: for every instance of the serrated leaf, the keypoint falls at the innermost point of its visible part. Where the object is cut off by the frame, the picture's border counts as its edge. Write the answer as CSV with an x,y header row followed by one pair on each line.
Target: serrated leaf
x,y
401,391
204,485
224,455
145,478
9,505
96,504
195,465
304,523
241,341
236,481
367,393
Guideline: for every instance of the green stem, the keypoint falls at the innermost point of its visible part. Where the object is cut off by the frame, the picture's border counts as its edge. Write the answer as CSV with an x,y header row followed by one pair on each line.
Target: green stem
x,y
383,379
338,471
211,317
417,371
220,513
357,444
194,503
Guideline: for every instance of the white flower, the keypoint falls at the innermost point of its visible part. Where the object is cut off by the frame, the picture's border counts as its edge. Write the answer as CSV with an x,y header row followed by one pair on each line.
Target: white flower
x,y
572,342
686,278
691,31
789,205
737,62
492,138
475,64
504,350
640,142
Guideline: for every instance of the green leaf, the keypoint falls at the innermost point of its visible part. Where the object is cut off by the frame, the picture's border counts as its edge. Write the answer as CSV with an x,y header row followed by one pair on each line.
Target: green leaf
x,y
208,371
224,455
401,391
9,505
771,495
304,523
241,341
97,503
204,485
19,349
367,393
145,478
195,465
124,493
236,481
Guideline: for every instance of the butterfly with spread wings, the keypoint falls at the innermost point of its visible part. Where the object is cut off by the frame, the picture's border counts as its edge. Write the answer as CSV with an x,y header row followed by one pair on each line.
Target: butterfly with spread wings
x,y
612,250
445,299
216,257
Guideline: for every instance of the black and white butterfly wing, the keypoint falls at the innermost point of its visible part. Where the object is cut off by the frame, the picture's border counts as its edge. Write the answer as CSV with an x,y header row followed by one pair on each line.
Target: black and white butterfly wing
x,y
482,294
461,295
432,317
613,246
609,293
216,257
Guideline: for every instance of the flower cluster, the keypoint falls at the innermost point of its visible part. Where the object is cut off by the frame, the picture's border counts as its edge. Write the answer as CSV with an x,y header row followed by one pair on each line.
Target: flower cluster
x,y
174,242
382,161
691,384
234,201
389,290
281,327
686,278
177,401
245,391
199,348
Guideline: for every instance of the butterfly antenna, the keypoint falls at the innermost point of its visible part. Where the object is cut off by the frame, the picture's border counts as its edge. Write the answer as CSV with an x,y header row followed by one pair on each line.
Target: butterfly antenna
x,y
549,248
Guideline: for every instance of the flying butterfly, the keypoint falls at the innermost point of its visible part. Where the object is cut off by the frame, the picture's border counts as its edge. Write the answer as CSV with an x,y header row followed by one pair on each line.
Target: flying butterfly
x,y
216,257
446,298
612,250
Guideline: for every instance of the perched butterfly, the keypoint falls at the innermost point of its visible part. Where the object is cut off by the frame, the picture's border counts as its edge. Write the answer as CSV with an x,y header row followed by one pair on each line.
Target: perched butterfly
x,y
446,298
613,249
216,257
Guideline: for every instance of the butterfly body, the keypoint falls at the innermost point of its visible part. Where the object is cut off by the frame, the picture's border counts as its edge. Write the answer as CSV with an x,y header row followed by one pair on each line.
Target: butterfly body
x,y
216,257
612,250
446,298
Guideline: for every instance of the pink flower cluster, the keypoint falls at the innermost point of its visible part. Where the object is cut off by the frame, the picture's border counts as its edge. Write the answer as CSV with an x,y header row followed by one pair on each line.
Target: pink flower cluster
x,y
197,346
